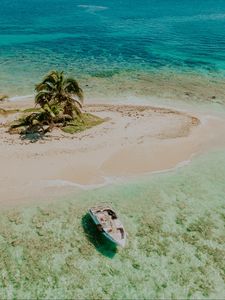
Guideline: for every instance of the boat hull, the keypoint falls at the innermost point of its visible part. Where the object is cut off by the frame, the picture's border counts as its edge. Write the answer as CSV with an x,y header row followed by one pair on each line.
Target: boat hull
x,y
107,235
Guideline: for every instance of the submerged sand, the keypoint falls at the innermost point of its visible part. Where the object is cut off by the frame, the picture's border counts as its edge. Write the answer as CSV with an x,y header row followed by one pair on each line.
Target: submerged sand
x,y
133,140
175,247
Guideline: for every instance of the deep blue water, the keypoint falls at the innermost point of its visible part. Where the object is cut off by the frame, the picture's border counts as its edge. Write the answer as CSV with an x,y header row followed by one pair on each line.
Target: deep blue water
x,y
102,38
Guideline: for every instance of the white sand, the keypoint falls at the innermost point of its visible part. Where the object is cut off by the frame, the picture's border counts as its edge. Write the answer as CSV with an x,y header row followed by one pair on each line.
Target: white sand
x,y
133,140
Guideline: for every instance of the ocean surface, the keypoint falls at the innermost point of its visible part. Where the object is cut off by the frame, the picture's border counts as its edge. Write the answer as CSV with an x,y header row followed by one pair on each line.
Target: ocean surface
x,y
111,44
175,220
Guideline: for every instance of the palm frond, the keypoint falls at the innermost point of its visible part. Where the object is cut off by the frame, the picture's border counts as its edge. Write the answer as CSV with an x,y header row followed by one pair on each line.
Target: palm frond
x,y
77,110
72,87
53,77
44,86
42,97
56,93
78,102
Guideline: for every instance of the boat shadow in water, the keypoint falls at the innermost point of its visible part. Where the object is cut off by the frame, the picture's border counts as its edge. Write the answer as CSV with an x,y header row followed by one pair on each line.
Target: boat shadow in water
x,y
101,243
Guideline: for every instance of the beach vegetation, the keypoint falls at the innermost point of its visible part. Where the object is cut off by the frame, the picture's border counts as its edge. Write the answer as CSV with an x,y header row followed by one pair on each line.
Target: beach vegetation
x,y
32,109
2,111
58,103
57,93
3,97
6,112
77,125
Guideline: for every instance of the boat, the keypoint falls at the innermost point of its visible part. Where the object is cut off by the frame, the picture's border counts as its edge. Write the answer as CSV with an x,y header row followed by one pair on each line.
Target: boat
x,y
108,224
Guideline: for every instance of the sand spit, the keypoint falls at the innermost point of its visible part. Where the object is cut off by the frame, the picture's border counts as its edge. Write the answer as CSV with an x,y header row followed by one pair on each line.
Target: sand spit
x,y
133,140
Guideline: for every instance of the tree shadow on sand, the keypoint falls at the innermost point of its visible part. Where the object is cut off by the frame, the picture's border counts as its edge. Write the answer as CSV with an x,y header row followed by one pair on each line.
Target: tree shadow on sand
x,y
102,244
32,137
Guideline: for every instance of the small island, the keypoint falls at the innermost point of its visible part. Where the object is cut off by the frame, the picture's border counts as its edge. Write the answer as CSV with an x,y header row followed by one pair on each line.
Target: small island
x,y
112,150
58,103
56,134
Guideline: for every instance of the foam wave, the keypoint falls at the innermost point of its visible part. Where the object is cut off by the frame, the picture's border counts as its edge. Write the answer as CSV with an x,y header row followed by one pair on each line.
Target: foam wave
x,y
20,98
211,17
67,183
92,8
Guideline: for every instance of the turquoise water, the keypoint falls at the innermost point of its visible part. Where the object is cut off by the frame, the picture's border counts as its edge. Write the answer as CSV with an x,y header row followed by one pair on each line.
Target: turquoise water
x,y
101,39
175,248
176,220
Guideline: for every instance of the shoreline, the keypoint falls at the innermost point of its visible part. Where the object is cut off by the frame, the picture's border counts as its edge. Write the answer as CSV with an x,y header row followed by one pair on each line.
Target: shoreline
x,y
135,140
171,84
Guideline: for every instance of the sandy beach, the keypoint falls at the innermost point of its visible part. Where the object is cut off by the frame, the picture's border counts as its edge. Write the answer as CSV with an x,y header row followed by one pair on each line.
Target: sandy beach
x,y
133,140
116,104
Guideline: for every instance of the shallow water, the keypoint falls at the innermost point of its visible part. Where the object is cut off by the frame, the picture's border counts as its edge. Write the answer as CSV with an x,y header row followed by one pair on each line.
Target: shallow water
x,y
175,221
175,249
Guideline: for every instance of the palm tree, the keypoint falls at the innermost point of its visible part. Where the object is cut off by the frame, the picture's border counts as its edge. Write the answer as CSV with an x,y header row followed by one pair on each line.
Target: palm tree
x,y
57,93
